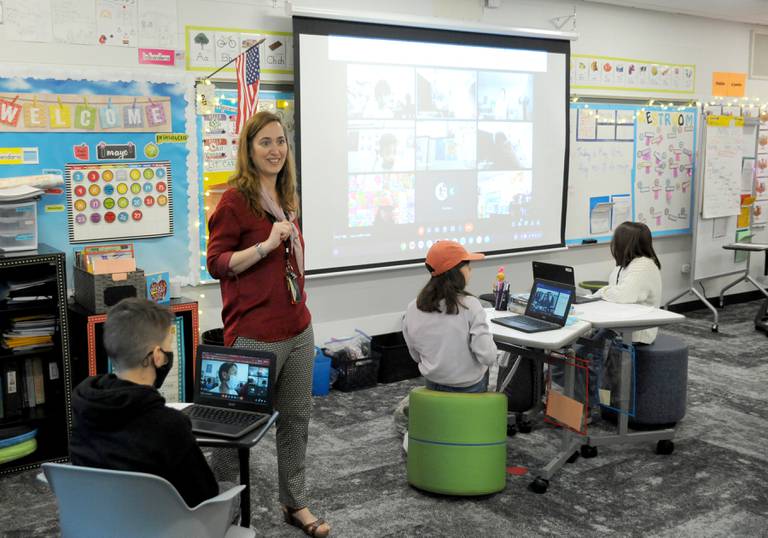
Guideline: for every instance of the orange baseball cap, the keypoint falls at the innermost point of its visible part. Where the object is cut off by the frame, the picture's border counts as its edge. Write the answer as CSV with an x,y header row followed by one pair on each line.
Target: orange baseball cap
x,y
445,255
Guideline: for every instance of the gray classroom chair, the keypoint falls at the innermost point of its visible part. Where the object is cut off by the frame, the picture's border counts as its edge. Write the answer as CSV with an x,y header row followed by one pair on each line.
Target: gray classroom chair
x,y
100,502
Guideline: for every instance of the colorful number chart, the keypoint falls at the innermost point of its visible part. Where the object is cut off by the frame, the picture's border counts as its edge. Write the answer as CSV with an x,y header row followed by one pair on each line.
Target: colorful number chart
x,y
119,200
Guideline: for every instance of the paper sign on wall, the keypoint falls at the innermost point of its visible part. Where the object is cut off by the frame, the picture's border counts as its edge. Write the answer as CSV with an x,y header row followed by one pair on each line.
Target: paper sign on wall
x,y
728,84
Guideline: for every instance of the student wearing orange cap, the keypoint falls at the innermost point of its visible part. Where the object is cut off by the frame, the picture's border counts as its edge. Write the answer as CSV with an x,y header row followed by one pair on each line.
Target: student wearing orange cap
x,y
446,328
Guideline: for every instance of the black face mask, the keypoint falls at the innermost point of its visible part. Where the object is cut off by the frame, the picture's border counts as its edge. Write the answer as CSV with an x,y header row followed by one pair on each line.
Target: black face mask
x,y
161,372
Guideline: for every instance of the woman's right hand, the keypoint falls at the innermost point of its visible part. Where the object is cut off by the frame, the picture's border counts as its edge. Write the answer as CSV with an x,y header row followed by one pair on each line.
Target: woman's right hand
x,y
281,231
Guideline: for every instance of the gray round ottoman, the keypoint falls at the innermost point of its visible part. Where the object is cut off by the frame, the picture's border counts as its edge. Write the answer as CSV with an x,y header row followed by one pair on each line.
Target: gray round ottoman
x,y
661,385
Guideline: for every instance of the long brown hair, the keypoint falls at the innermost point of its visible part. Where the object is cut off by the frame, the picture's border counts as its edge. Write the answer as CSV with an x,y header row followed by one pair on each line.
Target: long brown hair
x,y
448,286
632,240
246,176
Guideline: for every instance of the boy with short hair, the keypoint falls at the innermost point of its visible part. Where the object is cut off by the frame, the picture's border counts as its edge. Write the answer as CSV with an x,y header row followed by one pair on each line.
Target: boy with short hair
x,y
121,421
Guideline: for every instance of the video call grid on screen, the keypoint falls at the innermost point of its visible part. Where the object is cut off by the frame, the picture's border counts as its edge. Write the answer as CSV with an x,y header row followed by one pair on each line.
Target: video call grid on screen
x,y
418,139
550,300
246,378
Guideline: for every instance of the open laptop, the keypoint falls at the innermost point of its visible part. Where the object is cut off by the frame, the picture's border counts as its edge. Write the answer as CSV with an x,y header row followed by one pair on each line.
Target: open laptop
x,y
234,390
548,307
559,273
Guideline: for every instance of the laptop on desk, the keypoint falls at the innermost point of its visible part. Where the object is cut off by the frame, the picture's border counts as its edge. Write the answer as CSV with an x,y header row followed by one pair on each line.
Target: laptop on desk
x,y
548,306
234,391
559,273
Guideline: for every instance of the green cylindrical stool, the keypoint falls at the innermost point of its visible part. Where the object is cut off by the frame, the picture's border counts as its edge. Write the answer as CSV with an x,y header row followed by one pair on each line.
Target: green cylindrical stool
x,y
457,442
592,285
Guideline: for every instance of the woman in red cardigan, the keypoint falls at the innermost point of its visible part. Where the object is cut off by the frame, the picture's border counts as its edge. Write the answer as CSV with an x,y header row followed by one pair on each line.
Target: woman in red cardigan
x,y
256,250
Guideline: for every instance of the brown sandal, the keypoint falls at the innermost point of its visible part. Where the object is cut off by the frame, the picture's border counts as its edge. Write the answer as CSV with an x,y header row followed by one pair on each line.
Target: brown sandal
x,y
311,528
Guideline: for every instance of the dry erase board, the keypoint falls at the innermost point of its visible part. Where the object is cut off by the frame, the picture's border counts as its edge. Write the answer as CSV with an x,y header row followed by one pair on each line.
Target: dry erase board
x,y
630,162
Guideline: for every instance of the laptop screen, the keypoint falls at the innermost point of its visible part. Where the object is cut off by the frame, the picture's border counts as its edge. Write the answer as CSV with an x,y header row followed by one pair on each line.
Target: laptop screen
x,y
550,301
233,377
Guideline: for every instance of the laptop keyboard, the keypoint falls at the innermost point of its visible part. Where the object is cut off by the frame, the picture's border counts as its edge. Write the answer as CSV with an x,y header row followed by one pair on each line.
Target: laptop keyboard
x,y
533,322
222,416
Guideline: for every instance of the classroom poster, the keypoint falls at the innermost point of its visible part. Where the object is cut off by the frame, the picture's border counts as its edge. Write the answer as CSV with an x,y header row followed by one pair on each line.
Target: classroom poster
x,y
208,48
612,73
97,133
664,167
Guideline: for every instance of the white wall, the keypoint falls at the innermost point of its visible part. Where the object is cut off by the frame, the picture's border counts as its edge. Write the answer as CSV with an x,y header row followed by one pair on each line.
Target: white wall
x,y
372,301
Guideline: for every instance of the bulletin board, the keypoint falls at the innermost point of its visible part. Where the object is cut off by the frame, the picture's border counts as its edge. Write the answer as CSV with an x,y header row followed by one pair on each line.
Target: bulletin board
x,y
117,140
630,162
217,151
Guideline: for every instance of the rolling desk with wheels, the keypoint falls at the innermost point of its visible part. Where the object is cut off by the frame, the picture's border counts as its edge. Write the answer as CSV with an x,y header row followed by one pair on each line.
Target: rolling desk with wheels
x,y
538,346
626,319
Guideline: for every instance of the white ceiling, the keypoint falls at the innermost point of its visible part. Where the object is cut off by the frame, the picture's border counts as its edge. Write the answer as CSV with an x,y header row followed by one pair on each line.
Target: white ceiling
x,y
746,11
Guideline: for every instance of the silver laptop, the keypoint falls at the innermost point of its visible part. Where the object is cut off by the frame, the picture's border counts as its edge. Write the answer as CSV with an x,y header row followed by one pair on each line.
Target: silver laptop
x,y
234,390
548,306
559,273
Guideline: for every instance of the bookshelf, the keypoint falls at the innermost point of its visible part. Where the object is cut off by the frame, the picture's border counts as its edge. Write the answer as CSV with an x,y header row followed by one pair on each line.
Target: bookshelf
x,y
49,410
88,356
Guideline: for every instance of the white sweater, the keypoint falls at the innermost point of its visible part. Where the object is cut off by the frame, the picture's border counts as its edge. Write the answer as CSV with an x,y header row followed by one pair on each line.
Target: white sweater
x,y
640,283
454,350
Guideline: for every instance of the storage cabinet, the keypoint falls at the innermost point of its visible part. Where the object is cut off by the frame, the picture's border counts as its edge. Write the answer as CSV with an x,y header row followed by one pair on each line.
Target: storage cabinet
x,y
35,382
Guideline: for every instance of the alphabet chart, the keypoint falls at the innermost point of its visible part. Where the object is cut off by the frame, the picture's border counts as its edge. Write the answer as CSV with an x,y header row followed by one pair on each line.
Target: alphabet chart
x,y
119,200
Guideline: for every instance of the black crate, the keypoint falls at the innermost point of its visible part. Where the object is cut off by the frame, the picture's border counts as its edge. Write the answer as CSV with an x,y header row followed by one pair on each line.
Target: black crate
x,y
96,293
355,374
396,362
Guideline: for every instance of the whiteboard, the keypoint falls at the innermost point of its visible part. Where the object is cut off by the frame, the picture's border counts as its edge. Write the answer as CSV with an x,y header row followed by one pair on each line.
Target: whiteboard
x,y
721,181
710,259
630,162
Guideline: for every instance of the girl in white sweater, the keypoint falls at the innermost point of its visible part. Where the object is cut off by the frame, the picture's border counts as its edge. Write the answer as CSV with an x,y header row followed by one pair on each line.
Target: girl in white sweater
x,y
635,279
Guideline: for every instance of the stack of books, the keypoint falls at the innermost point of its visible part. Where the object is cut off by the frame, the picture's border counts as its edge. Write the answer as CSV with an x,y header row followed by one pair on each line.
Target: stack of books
x,y
27,333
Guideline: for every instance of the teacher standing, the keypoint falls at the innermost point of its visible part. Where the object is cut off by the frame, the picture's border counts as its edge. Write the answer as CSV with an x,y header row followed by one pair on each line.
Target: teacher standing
x,y
256,250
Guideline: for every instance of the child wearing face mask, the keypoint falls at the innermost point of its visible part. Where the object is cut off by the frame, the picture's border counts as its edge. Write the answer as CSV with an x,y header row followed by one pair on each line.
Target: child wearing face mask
x,y
121,421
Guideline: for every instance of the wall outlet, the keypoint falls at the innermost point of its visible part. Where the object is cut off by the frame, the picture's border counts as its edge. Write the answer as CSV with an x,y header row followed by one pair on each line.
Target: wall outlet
x,y
686,268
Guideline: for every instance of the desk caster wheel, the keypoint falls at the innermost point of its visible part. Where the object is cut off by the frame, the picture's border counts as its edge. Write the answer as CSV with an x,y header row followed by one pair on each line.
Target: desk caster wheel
x,y
525,426
573,457
588,451
665,447
539,485
714,328
511,430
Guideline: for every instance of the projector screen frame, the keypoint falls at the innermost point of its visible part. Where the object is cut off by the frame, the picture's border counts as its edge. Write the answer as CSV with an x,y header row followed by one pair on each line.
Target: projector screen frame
x,y
314,25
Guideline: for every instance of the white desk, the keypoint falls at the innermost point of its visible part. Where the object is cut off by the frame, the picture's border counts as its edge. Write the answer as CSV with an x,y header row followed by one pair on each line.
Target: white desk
x,y
511,341
542,340
624,319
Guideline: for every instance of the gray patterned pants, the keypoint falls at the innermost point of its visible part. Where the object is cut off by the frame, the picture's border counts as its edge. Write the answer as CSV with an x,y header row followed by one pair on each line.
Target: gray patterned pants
x,y
293,399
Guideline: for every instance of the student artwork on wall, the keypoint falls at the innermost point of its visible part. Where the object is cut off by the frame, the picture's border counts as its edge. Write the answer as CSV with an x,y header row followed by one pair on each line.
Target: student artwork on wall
x,y
663,177
121,143
606,72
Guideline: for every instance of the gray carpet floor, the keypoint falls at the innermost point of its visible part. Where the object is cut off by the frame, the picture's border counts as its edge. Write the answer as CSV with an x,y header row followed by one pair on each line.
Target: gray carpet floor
x,y
715,483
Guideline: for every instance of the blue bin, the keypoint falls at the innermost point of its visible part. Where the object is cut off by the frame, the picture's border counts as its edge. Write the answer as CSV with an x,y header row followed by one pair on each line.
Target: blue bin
x,y
321,375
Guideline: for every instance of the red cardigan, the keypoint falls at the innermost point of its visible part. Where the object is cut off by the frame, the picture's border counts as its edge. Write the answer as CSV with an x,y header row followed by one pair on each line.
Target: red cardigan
x,y
256,303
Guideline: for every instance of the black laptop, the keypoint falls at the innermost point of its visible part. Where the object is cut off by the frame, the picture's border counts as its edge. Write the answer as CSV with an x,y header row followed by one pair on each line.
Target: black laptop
x,y
559,273
234,390
548,306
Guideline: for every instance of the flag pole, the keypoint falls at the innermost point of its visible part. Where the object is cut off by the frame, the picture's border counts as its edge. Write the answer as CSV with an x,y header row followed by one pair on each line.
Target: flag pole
x,y
259,42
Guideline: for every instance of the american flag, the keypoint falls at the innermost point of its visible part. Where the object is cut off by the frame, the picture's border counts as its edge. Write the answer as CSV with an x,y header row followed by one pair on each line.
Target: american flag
x,y
247,67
